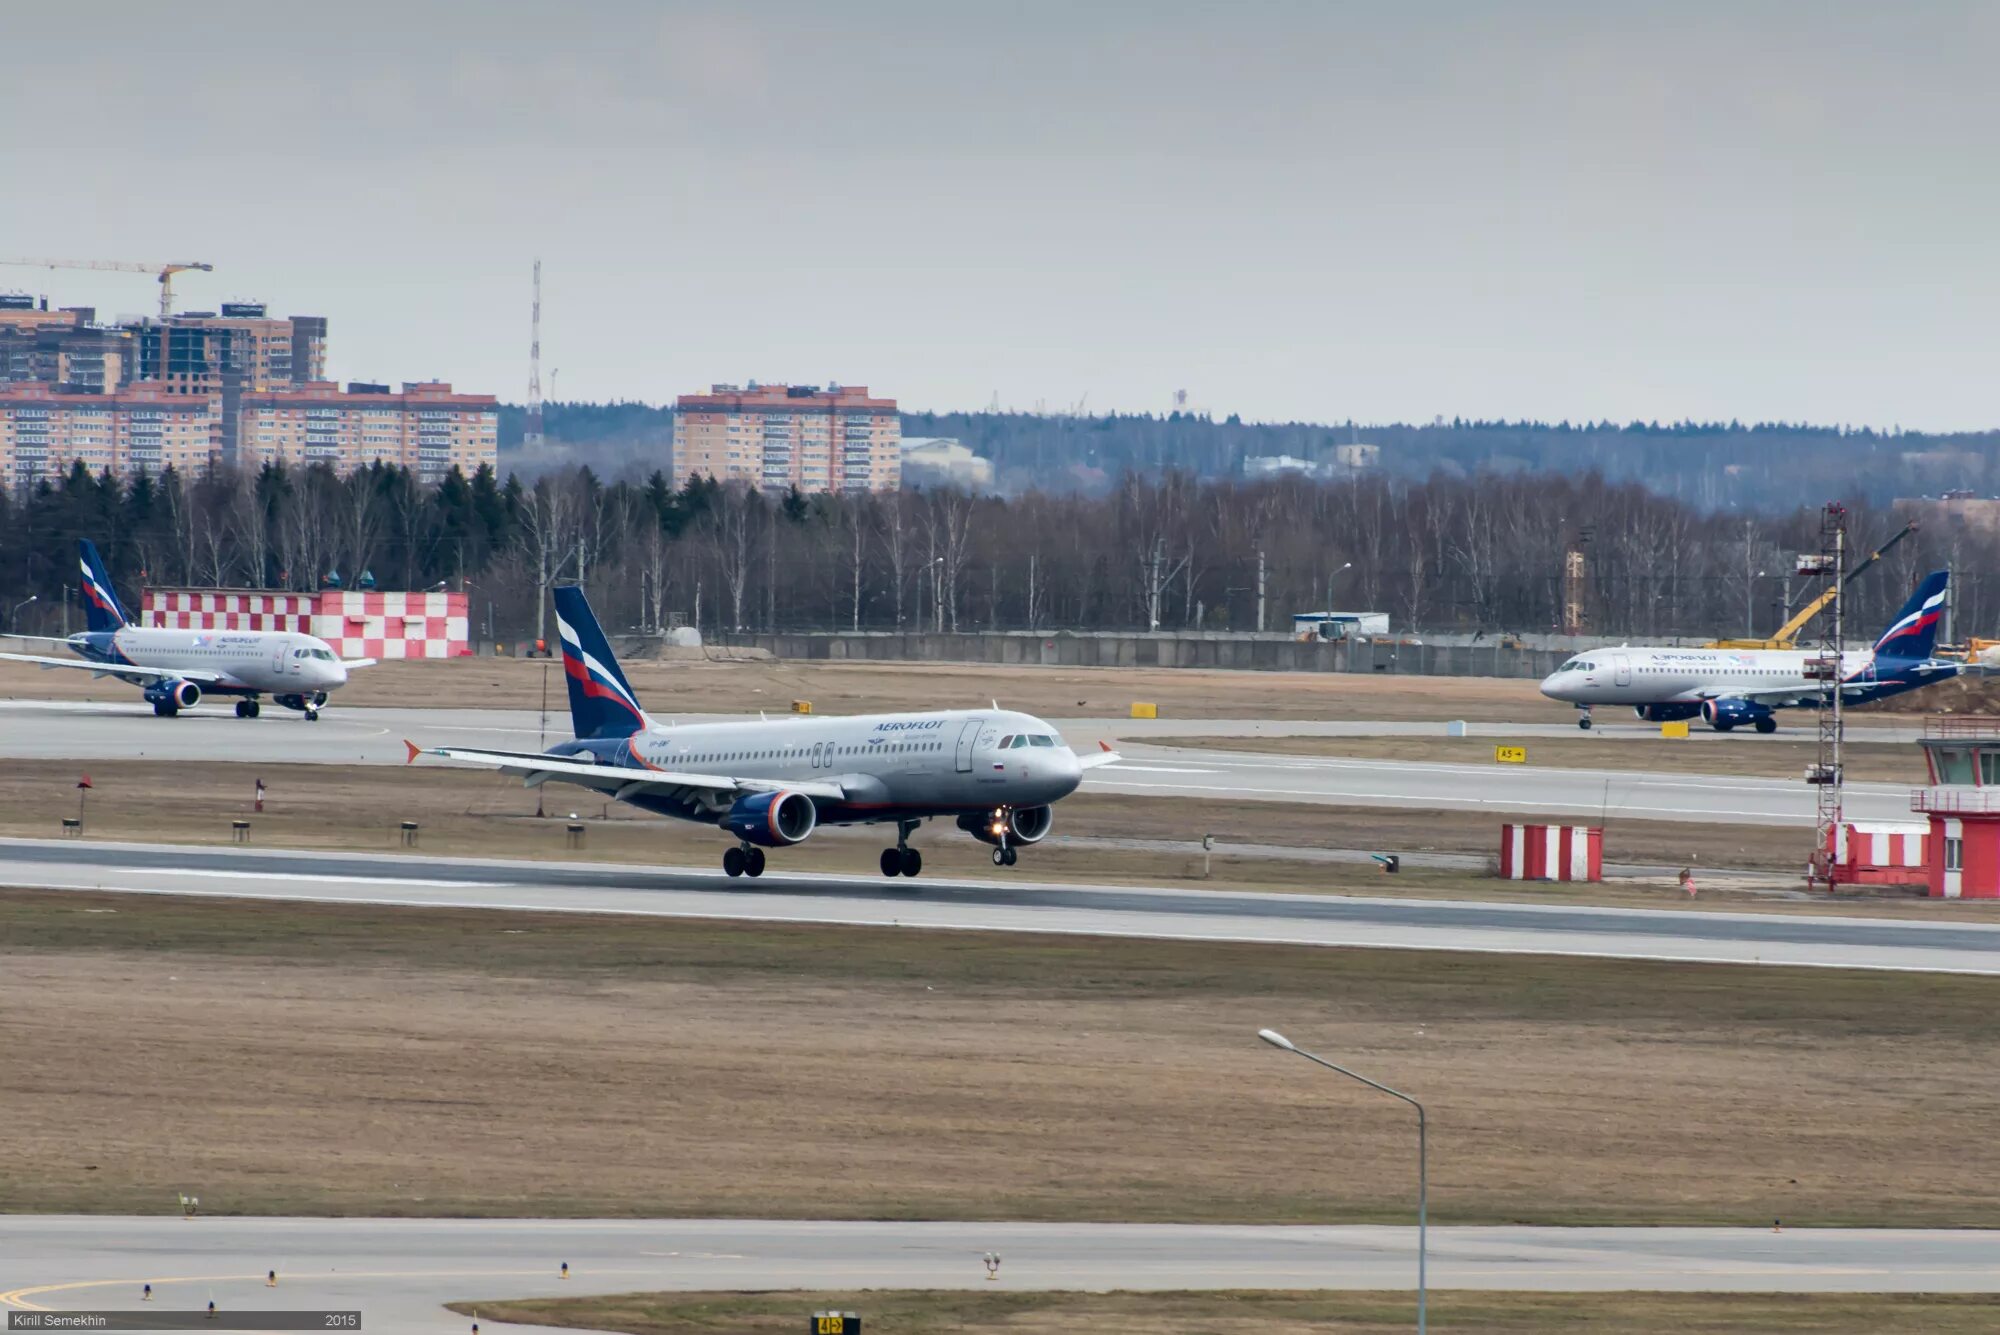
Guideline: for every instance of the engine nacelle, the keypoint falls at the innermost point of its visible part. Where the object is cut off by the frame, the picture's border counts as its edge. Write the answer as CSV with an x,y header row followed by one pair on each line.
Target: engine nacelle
x,y
1666,713
1729,713
772,819
1022,825
179,694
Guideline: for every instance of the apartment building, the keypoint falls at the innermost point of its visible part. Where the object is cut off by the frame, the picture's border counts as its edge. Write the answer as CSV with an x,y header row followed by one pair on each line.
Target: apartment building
x,y
426,427
66,347
44,429
775,437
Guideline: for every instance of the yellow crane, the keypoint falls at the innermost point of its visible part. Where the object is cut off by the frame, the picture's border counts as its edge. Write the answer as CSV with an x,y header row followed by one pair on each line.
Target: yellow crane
x,y
165,273
1787,635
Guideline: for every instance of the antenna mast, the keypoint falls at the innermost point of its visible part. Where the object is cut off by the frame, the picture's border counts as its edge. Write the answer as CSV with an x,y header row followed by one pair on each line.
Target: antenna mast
x,y
1828,668
532,437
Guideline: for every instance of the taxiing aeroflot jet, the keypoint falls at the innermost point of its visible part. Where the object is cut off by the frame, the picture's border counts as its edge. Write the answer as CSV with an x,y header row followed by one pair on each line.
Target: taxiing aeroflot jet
x,y
178,667
1728,687
772,783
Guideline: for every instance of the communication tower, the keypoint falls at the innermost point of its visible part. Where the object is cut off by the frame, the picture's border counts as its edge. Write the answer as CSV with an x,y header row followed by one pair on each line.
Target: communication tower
x,y
532,436
1825,667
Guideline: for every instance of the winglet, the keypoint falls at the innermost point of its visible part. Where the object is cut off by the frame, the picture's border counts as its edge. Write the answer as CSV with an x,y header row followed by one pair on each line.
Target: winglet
x,y
415,750
1103,745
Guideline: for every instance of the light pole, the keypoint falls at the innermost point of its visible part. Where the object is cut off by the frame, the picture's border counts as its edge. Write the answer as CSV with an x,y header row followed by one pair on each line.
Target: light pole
x,y
13,617
1347,565
1278,1040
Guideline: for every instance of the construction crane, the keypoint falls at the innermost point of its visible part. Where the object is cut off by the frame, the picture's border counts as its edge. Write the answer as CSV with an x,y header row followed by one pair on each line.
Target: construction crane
x,y
1787,635
165,272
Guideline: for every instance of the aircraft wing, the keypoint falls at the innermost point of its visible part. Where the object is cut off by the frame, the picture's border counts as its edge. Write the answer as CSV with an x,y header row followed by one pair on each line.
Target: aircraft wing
x,y
351,663
621,780
38,639
125,671
1104,756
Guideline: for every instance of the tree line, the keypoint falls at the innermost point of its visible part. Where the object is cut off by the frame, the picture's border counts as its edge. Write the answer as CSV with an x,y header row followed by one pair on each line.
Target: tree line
x,y
1160,550
1714,465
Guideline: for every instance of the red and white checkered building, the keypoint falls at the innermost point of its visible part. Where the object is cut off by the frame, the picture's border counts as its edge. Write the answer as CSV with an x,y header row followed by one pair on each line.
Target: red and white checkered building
x,y
354,624
1552,852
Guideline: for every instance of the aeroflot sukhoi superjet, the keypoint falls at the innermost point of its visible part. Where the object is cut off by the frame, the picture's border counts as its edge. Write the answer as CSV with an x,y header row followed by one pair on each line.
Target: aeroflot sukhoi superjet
x,y
772,783
177,667
1726,687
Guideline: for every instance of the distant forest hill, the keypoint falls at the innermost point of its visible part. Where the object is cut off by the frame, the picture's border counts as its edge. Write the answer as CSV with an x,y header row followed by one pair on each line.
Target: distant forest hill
x,y
1715,466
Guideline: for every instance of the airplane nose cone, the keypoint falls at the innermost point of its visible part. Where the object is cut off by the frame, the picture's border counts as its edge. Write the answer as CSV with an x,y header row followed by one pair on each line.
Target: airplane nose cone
x,y
1553,686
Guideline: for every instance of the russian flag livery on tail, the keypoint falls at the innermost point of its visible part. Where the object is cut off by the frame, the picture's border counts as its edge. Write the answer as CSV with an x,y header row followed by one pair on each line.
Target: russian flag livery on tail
x,y
100,605
601,701
1913,634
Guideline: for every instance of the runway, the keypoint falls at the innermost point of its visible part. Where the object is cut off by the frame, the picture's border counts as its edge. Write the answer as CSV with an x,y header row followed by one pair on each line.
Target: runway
x,y
102,731
398,1272
1014,906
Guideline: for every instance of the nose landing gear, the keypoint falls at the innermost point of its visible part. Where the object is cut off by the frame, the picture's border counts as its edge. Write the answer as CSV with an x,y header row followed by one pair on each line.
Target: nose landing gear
x,y
1583,717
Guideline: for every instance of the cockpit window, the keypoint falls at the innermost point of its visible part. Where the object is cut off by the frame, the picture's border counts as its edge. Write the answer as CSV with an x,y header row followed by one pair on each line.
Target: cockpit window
x,y
1039,740
1006,742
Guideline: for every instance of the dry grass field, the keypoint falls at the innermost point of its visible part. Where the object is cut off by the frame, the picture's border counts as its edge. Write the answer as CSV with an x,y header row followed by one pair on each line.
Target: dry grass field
x,y
318,1059
852,688
1254,1312
1781,757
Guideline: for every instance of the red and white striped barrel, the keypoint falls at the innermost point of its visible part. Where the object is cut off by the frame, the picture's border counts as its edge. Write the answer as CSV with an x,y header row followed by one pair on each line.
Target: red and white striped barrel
x,y
1552,852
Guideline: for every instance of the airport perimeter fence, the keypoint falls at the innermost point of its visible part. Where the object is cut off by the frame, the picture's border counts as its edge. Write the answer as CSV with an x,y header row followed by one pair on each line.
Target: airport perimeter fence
x,y
1251,653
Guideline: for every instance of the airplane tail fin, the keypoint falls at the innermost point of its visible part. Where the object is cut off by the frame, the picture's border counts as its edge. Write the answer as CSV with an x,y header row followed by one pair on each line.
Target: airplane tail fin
x,y
100,604
1914,632
601,701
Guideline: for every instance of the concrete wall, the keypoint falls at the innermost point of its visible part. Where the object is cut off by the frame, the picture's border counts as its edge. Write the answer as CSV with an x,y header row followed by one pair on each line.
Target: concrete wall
x,y
1254,653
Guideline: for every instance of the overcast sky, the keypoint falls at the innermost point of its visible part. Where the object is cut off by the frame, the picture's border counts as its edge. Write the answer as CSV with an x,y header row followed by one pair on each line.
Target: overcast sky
x,y
1310,211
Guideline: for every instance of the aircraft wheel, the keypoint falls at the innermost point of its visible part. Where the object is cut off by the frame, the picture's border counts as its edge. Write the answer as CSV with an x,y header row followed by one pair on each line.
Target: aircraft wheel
x,y
163,709
312,716
254,709
892,862
243,709
1583,723
732,861
999,857
753,862
912,861
1013,855
1767,725
1722,727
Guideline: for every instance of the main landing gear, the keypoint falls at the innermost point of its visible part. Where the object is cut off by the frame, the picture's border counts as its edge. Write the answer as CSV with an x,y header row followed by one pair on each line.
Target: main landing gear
x,y
1006,856
902,860
248,708
744,860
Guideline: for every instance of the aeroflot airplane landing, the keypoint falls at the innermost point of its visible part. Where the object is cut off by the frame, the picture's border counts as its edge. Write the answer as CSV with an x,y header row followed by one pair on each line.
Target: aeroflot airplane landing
x,y
177,667
771,784
1727,687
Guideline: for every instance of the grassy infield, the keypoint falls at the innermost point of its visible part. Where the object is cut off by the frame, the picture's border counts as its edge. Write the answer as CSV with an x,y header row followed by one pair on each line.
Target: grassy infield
x,y
1834,1016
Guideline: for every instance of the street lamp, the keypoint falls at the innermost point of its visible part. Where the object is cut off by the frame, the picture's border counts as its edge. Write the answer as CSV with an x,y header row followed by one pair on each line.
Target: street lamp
x,y
1345,565
13,623
1278,1040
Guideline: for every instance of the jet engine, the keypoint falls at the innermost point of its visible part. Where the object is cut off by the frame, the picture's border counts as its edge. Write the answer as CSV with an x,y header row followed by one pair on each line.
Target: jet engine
x,y
772,819
1722,715
1666,713
1022,825
177,694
